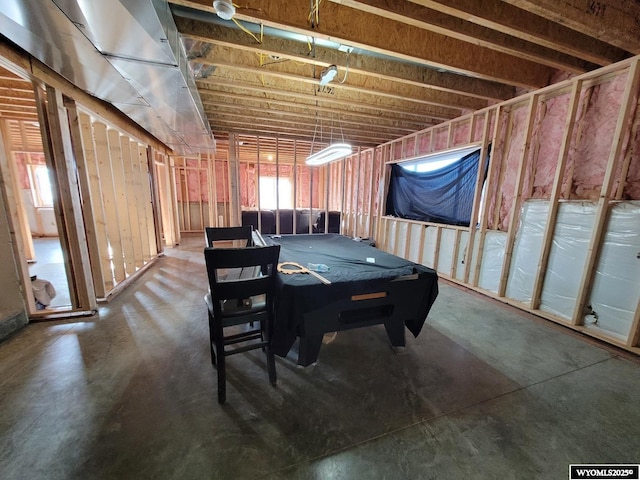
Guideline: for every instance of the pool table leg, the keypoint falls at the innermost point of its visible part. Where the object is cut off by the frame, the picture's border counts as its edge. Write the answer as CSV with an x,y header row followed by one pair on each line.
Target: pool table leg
x,y
395,332
309,349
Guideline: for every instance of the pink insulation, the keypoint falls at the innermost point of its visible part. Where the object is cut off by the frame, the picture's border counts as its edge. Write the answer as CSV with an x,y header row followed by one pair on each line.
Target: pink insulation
x,y
512,163
478,128
305,175
222,182
335,186
424,142
409,146
589,154
378,166
22,160
23,174
353,193
546,142
348,184
364,181
461,133
497,156
631,189
248,186
440,139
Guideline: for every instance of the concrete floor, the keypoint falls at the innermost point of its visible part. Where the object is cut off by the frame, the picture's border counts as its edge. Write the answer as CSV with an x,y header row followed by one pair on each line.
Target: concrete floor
x,y
485,392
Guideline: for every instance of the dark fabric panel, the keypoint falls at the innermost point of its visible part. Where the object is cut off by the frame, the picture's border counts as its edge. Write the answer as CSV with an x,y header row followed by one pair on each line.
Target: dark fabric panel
x,y
441,196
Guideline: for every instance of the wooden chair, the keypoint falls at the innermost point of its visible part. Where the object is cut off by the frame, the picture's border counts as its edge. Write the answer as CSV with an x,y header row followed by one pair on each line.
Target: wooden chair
x,y
229,234
237,301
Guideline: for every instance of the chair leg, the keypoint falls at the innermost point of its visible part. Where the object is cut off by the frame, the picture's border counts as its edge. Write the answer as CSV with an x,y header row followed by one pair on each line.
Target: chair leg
x,y
221,360
271,366
212,340
222,378
271,362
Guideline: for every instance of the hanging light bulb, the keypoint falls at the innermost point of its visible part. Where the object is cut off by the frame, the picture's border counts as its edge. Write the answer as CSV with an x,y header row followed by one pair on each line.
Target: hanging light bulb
x,y
224,9
328,74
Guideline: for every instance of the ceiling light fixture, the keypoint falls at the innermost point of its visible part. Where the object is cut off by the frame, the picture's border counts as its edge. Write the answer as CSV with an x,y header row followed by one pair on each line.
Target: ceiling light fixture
x,y
224,9
334,151
328,74
329,154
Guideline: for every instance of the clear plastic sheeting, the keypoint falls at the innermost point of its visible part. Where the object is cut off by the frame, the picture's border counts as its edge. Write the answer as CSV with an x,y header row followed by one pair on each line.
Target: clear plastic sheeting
x,y
492,256
445,254
403,228
526,250
391,235
414,243
616,284
429,248
569,248
462,250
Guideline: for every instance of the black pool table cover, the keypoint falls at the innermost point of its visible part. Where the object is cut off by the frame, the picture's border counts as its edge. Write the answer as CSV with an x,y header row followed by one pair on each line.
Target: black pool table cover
x,y
368,287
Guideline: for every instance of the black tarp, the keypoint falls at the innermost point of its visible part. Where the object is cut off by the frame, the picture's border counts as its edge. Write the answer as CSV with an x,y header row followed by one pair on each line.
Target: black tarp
x,y
441,196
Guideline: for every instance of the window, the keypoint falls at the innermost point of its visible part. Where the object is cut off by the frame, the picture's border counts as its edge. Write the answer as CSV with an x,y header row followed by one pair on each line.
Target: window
x,y
41,186
430,163
272,188
444,195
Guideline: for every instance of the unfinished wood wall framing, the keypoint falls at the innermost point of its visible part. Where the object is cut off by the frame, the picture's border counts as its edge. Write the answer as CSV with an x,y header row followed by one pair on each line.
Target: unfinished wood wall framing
x,y
558,230
114,177
200,178
196,180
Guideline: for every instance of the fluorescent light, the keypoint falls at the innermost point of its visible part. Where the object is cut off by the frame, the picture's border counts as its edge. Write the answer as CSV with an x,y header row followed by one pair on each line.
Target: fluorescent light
x,y
328,74
329,154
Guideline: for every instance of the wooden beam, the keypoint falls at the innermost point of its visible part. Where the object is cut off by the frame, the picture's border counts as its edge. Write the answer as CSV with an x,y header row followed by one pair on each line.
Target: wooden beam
x,y
92,209
277,50
349,79
455,27
410,43
401,109
149,242
133,192
477,196
521,23
302,117
18,224
73,237
119,157
483,221
516,203
620,18
109,200
633,338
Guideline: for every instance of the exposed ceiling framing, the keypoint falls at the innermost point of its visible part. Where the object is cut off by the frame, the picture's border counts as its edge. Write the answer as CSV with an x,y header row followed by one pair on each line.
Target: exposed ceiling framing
x,y
402,65
413,63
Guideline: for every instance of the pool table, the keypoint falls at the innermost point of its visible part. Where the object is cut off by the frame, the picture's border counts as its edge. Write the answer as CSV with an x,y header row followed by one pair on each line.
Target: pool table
x,y
368,287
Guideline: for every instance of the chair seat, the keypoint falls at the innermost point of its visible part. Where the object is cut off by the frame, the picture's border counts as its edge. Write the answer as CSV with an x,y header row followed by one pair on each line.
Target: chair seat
x,y
236,308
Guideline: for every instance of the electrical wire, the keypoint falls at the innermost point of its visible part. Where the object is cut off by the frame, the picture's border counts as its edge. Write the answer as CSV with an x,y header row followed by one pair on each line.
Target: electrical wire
x,y
244,29
347,70
314,13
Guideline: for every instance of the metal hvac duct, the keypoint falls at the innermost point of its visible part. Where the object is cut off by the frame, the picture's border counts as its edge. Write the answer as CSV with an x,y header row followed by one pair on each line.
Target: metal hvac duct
x,y
126,52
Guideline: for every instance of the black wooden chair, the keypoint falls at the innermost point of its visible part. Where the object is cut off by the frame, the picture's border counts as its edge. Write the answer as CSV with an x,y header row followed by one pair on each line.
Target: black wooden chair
x,y
237,301
229,234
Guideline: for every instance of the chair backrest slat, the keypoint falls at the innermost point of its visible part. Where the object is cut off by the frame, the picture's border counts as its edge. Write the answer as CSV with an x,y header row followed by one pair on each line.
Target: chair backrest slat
x,y
234,258
215,234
